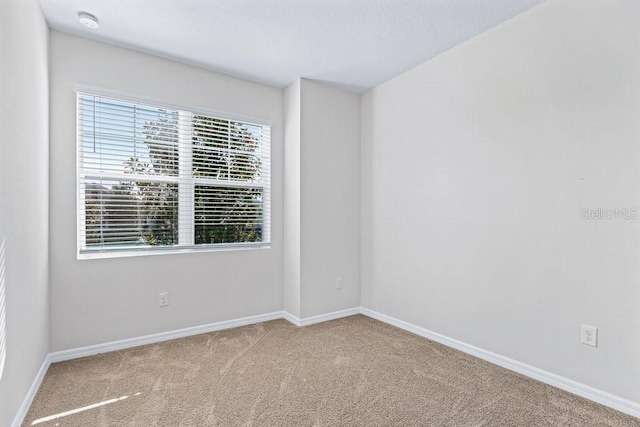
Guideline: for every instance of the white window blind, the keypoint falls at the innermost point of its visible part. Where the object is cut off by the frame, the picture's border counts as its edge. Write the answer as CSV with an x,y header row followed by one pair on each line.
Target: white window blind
x,y
153,177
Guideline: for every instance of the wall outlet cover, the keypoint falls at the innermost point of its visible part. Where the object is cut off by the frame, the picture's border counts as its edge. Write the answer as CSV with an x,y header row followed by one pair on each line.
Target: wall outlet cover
x,y
163,299
589,335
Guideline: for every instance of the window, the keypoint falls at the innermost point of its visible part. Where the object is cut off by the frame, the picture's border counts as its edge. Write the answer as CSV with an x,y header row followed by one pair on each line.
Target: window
x,y
155,178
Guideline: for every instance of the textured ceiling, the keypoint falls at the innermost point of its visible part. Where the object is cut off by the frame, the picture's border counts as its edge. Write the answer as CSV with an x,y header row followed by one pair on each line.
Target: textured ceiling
x,y
352,44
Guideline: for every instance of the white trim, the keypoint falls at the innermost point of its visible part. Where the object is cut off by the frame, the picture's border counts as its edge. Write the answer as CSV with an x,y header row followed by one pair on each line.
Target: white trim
x,y
91,350
186,187
607,399
291,318
31,394
87,103
320,317
579,389
175,250
75,353
329,316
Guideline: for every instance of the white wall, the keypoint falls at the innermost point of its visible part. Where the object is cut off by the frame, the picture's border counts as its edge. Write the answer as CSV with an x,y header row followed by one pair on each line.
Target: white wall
x,y
322,199
292,198
475,166
330,198
96,301
24,156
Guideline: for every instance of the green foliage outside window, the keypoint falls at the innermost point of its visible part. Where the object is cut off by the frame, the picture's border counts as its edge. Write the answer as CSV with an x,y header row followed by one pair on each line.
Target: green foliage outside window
x,y
225,154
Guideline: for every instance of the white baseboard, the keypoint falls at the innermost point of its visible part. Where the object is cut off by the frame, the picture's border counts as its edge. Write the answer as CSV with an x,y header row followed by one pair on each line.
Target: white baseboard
x,y
75,353
599,396
91,350
31,394
291,318
306,321
607,399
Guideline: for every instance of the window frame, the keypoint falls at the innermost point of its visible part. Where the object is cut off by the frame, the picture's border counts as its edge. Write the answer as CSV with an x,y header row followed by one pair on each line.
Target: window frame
x,y
178,248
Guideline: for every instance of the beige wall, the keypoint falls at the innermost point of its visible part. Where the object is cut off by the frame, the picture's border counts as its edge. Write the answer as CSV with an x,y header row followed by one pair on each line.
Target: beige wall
x,y
101,300
24,157
475,166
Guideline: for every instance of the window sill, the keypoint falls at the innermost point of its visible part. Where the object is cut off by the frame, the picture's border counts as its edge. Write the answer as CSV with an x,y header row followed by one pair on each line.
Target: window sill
x,y
127,253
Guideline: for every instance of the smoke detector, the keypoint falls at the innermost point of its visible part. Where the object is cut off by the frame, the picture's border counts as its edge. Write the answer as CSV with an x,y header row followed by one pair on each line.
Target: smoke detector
x,y
88,20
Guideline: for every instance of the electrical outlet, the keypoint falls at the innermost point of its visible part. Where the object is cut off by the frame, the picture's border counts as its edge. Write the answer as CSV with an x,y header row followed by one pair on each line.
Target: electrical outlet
x,y
589,335
163,299
339,283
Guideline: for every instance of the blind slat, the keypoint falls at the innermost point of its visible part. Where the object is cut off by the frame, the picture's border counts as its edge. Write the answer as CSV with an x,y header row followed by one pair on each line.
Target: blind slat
x,y
154,177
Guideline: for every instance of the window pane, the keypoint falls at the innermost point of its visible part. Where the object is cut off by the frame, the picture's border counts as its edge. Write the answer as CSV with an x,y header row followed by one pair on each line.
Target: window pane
x,y
210,132
226,150
228,214
122,137
152,176
210,163
245,167
119,213
244,137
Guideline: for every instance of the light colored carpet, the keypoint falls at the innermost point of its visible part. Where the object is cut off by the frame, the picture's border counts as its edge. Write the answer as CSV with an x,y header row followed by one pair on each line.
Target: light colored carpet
x,y
349,372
